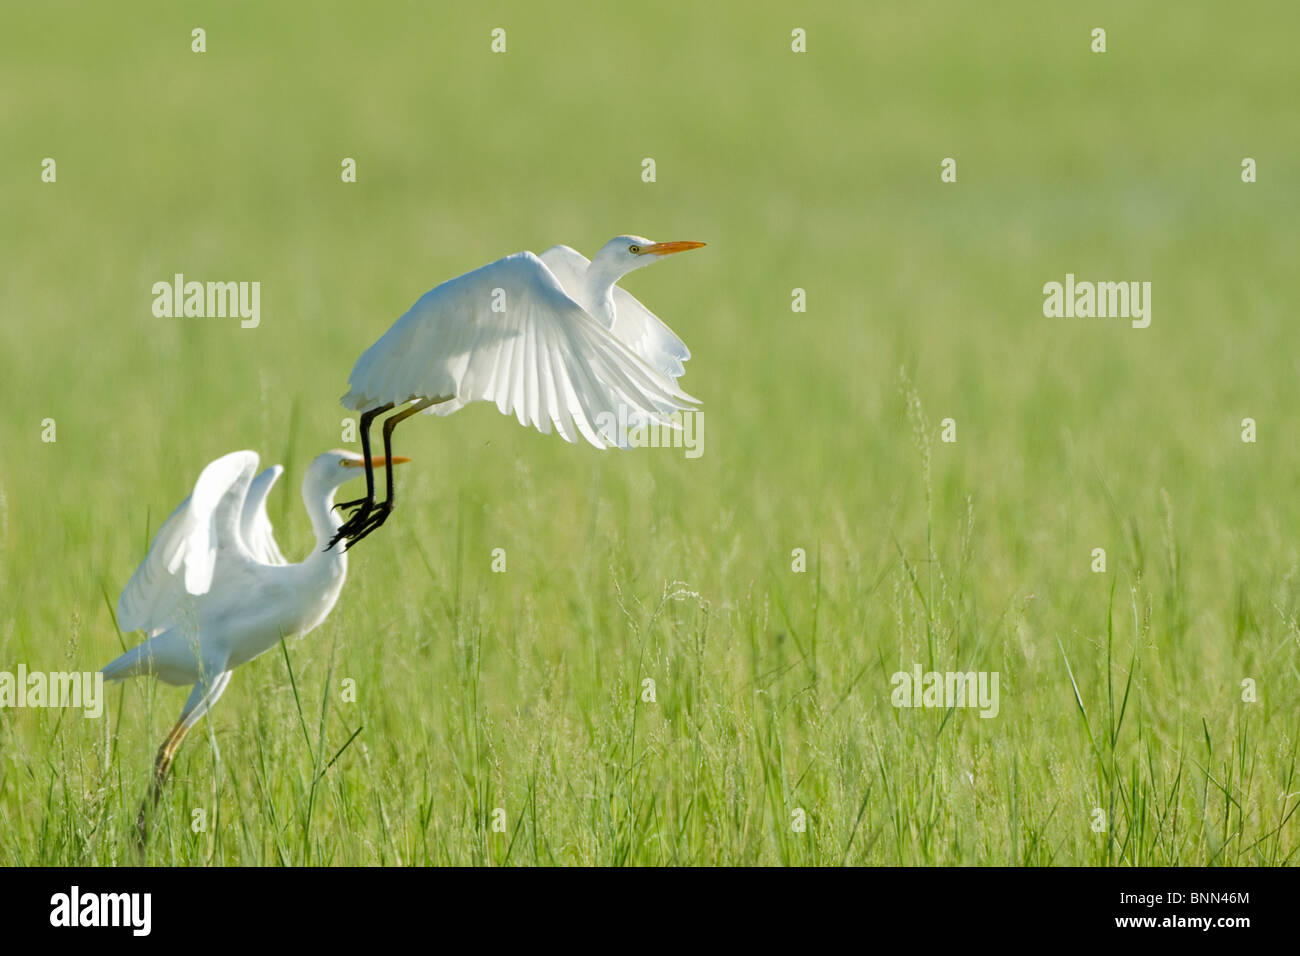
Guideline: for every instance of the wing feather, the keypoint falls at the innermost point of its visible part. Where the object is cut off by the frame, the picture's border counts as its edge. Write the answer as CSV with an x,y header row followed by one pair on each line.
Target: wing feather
x,y
255,524
532,384
189,550
560,409
518,365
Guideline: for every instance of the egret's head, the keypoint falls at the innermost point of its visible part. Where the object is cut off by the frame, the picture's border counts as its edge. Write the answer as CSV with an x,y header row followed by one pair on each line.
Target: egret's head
x,y
332,468
622,254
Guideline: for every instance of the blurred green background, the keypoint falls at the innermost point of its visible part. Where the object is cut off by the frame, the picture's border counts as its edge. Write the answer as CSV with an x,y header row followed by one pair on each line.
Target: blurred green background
x,y
817,171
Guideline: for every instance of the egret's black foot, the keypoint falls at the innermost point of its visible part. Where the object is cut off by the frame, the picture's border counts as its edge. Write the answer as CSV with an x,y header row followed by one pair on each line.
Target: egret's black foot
x,y
354,503
376,517
355,523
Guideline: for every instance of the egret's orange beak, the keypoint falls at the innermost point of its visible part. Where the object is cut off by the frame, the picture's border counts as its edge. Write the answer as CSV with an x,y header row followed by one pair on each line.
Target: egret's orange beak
x,y
668,248
379,461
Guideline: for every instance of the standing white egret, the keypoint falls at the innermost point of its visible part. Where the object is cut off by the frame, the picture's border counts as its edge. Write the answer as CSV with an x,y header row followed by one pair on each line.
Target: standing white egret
x,y
550,338
214,591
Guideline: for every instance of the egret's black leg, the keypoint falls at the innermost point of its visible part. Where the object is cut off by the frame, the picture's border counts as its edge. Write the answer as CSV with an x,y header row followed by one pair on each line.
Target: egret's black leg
x,y
383,508
361,506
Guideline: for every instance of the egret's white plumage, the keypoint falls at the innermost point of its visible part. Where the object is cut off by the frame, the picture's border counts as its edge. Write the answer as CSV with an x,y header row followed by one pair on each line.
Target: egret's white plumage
x,y
631,322
550,339
534,336
215,591
255,525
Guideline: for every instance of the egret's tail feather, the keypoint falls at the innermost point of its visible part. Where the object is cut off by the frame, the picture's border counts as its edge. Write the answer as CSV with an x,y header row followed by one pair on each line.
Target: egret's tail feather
x,y
133,663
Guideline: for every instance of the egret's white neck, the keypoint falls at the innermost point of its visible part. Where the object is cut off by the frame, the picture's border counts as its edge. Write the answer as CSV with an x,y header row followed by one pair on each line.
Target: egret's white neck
x,y
598,290
319,578
325,521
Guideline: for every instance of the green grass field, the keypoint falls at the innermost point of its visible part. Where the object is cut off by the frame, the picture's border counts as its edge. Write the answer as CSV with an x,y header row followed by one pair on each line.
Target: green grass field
x,y
522,691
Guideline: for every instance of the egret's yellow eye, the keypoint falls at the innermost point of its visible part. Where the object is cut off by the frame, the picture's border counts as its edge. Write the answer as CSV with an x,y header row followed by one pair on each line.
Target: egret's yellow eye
x,y
634,249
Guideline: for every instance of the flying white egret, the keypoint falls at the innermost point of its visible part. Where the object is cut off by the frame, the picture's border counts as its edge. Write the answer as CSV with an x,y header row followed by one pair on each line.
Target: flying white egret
x,y
214,591
550,338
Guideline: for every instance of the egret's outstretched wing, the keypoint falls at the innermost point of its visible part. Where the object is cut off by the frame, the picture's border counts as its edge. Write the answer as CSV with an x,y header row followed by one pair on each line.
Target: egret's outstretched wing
x,y
187,550
508,333
634,325
255,525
